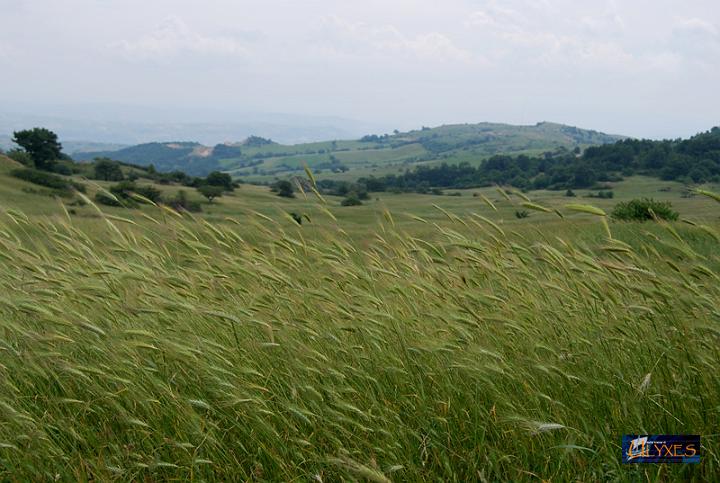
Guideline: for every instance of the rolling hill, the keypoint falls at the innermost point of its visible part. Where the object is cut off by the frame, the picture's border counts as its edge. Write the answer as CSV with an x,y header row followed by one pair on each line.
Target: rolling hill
x,y
261,159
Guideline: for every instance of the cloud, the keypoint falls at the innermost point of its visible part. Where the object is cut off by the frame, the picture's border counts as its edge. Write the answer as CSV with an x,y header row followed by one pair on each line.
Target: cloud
x,y
361,39
434,46
609,23
503,16
172,37
545,35
697,28
696,40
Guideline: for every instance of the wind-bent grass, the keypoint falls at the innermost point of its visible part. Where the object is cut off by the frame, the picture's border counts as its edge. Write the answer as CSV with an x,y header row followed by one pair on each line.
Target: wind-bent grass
x,y
174,348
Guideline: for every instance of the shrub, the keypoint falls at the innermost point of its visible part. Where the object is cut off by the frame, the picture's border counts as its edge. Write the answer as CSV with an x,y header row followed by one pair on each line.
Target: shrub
x,y
124,188
351,200
106,199
48,180
122,192
40,178
21,157
521,214
284,188
602,195
181,202
149,192
643,209
61,168
570,194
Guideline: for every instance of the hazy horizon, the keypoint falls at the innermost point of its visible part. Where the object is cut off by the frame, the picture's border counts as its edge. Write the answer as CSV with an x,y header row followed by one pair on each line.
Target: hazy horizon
x,y
643,70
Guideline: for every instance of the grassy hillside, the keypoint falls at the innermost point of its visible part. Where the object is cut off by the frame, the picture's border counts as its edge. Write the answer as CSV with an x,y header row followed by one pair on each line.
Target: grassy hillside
x,y
414,338
375,155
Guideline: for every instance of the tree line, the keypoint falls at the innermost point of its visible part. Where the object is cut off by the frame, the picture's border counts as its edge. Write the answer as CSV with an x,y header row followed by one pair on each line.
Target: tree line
x,y
693,160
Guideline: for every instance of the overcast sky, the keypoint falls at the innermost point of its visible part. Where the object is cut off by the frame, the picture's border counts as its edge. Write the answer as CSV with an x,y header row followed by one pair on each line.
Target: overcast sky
x,y
636,67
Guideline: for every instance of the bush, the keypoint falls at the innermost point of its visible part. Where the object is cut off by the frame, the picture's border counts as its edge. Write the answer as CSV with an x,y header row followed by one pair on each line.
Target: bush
x,y
21,157
284,188
105,199
602,195
181,202
48,180
522,214
124,188
351,200
122,192
570,194
149,192
61,168
643,209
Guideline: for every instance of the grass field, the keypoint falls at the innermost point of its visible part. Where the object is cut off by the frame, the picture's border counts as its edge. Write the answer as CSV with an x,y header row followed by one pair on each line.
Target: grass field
x,y
395,341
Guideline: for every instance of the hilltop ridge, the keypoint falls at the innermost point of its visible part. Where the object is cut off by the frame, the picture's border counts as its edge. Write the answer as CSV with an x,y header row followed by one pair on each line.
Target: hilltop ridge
x,y
261,158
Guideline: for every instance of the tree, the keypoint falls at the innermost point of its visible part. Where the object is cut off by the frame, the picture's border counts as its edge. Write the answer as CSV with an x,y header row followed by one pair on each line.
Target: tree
x,y
584,176
257,141
108,170
217,178
285,189
41,144
210,192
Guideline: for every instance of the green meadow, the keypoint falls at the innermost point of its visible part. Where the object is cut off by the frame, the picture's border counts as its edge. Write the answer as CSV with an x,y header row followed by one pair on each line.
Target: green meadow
x,y
413,338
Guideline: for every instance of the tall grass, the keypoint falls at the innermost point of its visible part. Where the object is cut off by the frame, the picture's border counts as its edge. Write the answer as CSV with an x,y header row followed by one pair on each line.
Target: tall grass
x,y
171,348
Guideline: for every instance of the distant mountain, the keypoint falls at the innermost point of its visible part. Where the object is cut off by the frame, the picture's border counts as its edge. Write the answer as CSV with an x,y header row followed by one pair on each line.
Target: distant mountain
x,y
120,125
257,157
192,158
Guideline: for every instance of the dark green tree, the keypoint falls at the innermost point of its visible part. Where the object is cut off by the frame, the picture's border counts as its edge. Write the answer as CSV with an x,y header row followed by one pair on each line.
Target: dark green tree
x,y
210,192
217,178
108,170
285,189
41,144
